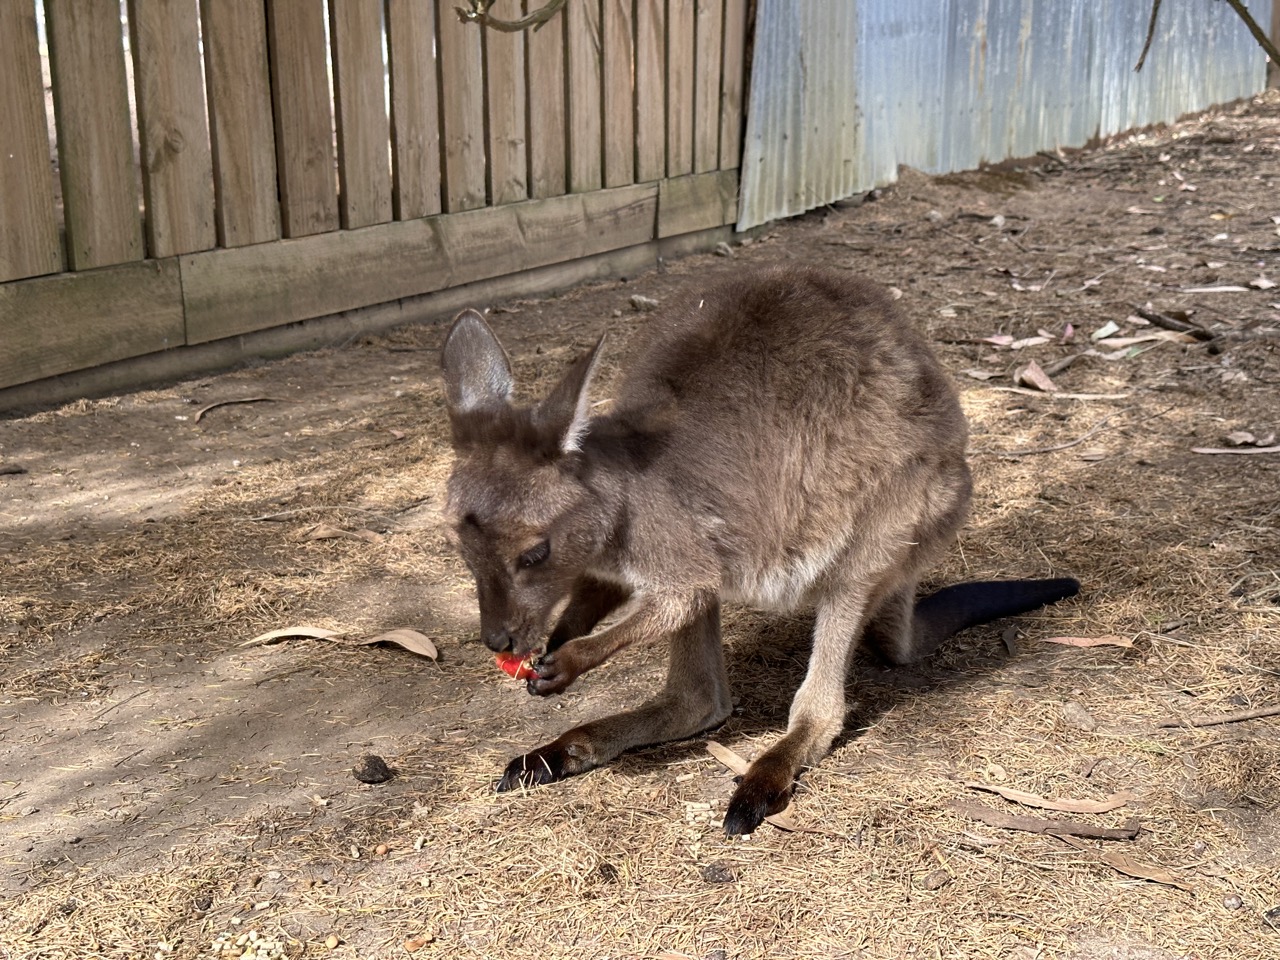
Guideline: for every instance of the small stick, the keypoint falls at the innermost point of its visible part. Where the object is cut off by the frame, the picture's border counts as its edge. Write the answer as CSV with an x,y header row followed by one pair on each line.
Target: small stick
x,y
226,403
1236,450
1237,717
1151,32
1057,828
1058,446
1170,323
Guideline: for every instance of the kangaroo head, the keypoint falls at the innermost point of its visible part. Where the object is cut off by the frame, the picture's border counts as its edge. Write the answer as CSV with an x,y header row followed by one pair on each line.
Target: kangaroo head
x,y
527,524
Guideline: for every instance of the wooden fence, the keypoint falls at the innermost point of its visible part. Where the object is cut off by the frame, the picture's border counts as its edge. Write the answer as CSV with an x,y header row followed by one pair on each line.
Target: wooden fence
x,y
260,162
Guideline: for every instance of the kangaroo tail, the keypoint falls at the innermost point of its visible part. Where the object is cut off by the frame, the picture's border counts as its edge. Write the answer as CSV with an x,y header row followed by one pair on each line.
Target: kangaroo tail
x,y
965,605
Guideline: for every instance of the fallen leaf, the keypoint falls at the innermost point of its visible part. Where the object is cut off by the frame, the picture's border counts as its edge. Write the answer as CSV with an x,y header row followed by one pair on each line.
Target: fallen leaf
x,y
1262,283
1092,455
1173,336
981,374
1113,802
411,640
327,531
1106,330
999,339
1221,289
1032,375
226,403
1108,641
1131,867
1214,450
307,633
1029,342
726,756
1241,438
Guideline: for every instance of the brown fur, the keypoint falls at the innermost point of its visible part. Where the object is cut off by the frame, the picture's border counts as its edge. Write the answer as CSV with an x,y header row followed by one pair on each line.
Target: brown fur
x,y
786,440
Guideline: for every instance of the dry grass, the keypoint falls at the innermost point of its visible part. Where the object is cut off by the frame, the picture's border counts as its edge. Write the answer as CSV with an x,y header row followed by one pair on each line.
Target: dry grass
x,y
1178,552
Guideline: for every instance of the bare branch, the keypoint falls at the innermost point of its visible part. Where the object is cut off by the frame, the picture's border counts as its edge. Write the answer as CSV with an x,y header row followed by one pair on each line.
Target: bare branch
x,y
1151,32
479,13
1258,33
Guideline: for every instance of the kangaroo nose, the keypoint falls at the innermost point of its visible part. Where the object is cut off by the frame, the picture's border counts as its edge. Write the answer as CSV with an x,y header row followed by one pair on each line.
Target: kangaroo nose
x,y
498,640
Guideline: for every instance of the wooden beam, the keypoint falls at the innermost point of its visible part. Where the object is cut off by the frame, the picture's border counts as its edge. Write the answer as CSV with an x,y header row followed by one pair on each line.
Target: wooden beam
x,y
28,226
462,111
697,202
135,308
619,93
584,64
546,93
506,103
651,103
364,160
734,83
680,109
706,85
243,139
95,134
229,292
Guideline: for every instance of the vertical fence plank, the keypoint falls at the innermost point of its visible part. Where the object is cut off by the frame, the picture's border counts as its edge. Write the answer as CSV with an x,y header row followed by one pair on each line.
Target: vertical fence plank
x,y
304,120
651,104
584,95
359,84
619,95
240,130
731,106
28,227
462,128
508,153
95,134
680,40
415,108
177,170
546,96
706,83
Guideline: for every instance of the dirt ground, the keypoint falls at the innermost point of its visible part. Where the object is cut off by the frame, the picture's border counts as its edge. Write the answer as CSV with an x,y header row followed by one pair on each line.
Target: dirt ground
x,y
164,789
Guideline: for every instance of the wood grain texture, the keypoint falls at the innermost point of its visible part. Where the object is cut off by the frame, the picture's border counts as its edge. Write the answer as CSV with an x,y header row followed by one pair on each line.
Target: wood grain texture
x,y
364,159
28,226
699,201
462,120
546,93
243,139
508,143
733,84
303,117
136,309
585,120
651,90
415,108
230,292
709,37
619,93
95,134
177,169
680,107
1273,68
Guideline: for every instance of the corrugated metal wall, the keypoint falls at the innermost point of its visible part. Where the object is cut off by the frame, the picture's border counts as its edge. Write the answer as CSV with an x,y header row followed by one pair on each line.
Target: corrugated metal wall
x,y
843,91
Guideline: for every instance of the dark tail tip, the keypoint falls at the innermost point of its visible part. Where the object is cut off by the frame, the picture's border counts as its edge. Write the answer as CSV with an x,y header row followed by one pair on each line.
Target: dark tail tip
x,y
965,605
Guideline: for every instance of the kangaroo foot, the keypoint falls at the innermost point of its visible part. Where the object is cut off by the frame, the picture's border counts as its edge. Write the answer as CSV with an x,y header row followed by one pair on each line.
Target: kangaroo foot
x,y
764,790
556,761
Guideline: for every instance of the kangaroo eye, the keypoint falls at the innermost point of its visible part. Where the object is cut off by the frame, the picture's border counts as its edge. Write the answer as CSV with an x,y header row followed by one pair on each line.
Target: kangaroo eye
x,y
535,555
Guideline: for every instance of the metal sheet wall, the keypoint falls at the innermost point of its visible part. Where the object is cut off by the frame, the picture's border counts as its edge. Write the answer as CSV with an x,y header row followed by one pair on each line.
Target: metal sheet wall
x,y
844,91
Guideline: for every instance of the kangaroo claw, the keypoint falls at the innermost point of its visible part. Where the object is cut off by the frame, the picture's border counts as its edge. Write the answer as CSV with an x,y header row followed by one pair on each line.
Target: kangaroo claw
x,y
755,798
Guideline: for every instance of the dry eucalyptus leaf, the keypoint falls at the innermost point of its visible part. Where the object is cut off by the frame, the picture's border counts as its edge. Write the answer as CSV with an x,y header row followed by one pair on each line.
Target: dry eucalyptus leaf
x,y
1133,868
1106,330
981,374
726,756
1241,438
1030,342
285,633
1032,375
1109,641
999,339
1262,283
1113,802
411,640
327,531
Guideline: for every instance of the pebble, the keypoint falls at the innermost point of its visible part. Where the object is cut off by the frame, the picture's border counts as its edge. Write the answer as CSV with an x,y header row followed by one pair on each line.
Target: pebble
x,y
718,872
1232,901
723,250
643,304
1075,715
372,769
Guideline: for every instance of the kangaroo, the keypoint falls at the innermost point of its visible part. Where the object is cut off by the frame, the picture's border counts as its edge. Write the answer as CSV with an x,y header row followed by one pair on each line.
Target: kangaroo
x,y
783,439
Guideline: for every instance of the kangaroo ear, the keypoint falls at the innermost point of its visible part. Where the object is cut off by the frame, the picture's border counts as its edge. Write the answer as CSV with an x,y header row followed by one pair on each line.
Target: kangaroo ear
x,y
476,370
565,413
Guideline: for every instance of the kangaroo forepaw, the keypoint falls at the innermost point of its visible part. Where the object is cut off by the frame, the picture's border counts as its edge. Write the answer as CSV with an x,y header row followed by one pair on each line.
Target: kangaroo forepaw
x,y
759,795
552,673
542,766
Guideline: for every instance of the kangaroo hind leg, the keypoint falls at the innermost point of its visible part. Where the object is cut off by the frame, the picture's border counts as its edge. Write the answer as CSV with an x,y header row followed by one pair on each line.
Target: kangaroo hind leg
x,y
694,698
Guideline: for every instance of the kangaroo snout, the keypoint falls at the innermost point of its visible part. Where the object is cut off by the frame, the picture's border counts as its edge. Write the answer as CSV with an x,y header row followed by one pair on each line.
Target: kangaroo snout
x,y
498,639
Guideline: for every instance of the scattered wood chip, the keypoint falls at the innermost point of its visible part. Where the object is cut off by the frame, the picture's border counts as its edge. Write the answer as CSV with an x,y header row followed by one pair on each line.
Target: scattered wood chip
x,y
1033,375
1107,641
226,403
1113,802
1131,867
1237,716
1058,828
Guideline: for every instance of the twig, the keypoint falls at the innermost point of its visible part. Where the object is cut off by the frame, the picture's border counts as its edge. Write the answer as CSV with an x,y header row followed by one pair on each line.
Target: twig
x,y
1256,30
1170,323
1151,32
226,403
1237,717
479,13
1058,828
1057,446
118,703
1237,450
